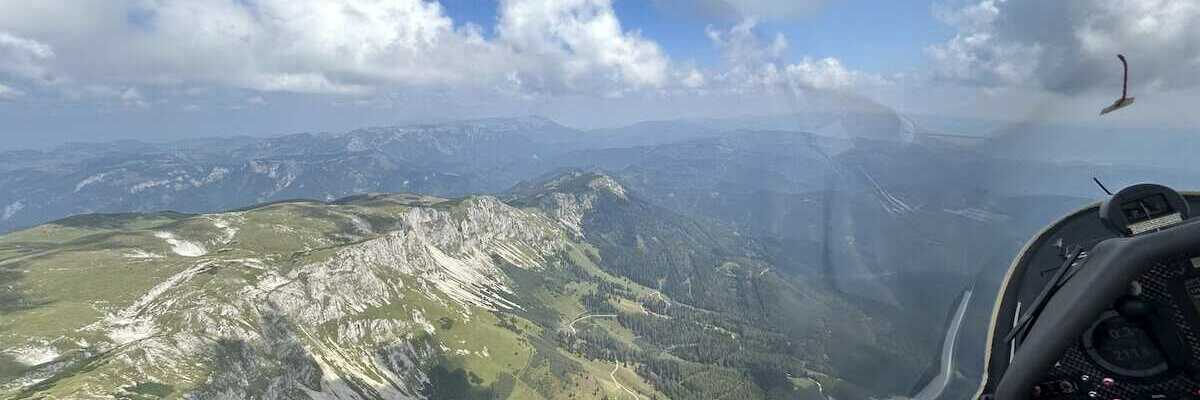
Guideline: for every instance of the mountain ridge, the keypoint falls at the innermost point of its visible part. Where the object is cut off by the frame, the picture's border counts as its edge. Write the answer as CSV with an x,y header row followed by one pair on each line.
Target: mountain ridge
x,y
368,297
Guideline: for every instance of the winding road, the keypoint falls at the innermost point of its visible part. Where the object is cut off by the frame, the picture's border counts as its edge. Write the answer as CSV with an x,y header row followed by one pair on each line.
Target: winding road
x,y
571,326
938,384
613,375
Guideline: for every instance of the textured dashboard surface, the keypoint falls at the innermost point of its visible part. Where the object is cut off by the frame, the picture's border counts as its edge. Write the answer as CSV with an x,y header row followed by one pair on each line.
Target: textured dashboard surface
x,y
1077,371
1090,379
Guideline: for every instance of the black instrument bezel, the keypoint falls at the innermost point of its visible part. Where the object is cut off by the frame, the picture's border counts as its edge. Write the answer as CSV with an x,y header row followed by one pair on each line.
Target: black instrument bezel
x,y
1096,291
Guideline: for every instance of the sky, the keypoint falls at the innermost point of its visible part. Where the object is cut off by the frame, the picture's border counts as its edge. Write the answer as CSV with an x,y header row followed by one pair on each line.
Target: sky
x,y
158,70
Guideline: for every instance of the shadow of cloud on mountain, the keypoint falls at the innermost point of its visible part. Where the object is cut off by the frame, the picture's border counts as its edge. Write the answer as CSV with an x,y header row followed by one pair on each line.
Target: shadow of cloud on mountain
x,y
280,365
10,368
115,220
277,365
13,297
455,384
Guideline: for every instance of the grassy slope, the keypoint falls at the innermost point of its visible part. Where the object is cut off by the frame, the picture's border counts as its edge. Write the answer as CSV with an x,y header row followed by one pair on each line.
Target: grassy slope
x,y
61,277
57,279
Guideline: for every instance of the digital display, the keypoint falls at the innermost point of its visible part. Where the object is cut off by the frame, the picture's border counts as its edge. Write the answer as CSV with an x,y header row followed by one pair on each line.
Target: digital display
x,y
1146,208
1124,347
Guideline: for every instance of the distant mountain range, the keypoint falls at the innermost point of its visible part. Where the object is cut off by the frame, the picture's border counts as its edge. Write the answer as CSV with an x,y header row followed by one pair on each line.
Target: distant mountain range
x,y
451,158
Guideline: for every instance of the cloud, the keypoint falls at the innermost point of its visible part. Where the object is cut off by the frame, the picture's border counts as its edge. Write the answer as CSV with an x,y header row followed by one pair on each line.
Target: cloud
x,y
9,93
387,58
741,45
756,64
738,10
325,46
579,42
693,79
133,97
272,45
1070,46
828,73
23,57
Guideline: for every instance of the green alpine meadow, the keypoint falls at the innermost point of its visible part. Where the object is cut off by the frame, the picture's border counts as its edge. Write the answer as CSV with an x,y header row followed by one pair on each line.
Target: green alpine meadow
x,y
566,288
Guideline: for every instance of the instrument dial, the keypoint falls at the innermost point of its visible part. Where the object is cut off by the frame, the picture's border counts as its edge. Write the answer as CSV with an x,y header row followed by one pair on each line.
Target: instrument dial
x,y
1123,347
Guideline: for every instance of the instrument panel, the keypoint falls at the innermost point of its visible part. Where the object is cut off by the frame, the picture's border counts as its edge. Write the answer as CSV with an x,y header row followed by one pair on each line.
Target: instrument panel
x,y
1142,341
1144,347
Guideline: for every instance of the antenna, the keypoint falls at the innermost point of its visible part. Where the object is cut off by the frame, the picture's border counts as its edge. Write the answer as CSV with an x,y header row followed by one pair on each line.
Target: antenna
x,y
1101,185
1125,78
1125,100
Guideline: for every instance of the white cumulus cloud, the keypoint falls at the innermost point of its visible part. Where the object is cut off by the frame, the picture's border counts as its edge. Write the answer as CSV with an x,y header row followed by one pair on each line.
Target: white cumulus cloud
x,y
825,73
133,97
325,46
579,42
22,56
754,63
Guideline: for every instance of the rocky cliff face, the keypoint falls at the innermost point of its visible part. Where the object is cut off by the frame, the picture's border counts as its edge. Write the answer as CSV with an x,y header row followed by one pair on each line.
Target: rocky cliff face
x,y
281,301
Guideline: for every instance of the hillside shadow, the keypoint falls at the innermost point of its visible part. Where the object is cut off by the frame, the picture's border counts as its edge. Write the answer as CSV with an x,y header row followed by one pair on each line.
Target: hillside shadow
x,y
278,364
13,297
115,220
